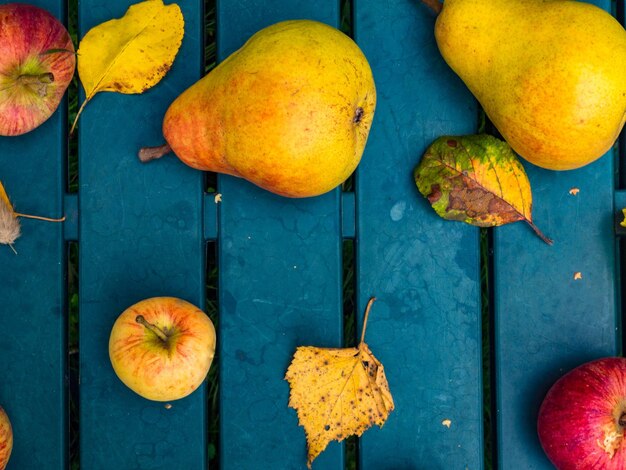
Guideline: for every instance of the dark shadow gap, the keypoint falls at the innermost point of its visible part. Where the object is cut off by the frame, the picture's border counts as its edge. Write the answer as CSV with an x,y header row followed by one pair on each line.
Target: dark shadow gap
x,y
212,310
619,10
72,356
72,105
350,335
488,329
488,342
346,25
620,269
210,61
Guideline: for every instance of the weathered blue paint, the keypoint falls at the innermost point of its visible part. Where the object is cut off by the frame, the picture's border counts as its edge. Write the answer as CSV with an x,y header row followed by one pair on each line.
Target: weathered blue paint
x,y
548,321
424,271
32,292
280,285
141,236
142,231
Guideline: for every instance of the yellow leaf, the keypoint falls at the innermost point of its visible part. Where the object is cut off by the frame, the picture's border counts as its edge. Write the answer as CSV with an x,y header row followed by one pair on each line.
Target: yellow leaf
x,y
337,392
133,53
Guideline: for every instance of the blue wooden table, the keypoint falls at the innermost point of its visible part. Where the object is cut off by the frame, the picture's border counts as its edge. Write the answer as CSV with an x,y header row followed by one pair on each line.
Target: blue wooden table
x,y
143,230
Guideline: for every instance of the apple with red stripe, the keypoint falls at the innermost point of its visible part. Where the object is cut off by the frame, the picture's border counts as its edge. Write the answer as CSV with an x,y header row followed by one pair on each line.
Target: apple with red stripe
x,y
6,439
162,348
582,420
37,62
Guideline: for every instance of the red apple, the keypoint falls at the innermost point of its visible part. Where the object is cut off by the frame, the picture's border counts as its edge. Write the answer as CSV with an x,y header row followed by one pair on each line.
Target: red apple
x,y
583,417
6,439
162,348
37,63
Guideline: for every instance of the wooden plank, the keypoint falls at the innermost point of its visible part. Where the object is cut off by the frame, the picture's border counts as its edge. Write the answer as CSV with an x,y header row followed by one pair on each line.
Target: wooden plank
x,y
32,289
280,285
141,236
547,321
425,325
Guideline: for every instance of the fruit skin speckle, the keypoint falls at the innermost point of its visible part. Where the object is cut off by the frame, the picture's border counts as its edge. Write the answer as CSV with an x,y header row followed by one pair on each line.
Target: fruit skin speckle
x,y
6,439
162,348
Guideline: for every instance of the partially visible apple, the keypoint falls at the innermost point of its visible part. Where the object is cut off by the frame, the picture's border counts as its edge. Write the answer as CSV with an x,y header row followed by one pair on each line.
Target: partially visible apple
x,y
6,439
583,417
162,348
37,63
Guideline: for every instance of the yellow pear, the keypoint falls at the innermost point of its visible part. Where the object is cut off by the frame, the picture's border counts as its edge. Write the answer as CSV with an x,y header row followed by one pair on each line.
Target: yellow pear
x,y
550,74
290,111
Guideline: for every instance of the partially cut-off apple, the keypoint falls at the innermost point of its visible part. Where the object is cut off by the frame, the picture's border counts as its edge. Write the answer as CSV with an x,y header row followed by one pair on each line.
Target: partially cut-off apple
x,y
6,439
37,63
162,348
582,420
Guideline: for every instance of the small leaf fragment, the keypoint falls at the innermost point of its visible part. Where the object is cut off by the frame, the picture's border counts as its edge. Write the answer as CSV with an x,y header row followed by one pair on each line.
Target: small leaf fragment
x,y
10,229
131,54
337,393
9,224
476,179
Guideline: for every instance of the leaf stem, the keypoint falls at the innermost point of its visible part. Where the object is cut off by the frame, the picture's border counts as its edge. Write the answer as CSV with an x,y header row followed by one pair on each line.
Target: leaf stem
x,y
37,217
155,329
80,110
539,233
147,154
367,314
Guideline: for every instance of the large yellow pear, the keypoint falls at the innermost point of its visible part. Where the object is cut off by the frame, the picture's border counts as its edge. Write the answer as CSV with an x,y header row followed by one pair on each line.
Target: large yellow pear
x,y
550,74
290,111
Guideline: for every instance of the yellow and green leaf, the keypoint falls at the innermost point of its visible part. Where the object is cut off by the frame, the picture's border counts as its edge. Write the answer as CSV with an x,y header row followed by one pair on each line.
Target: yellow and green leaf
x,y
476,179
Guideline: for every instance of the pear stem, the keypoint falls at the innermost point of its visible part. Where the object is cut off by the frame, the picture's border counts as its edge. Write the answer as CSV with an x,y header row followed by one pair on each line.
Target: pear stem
x,y
435,5
367,314
147,154
540,233
155,329
37,217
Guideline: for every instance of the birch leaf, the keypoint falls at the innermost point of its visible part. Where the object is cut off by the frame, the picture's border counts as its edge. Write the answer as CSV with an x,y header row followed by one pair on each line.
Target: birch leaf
x,y
476,179
337,392
131,54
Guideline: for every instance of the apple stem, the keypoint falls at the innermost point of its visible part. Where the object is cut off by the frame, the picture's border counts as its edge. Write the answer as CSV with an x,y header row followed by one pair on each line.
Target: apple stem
x,y
367,314
622,419
155,329
435,5
147,154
